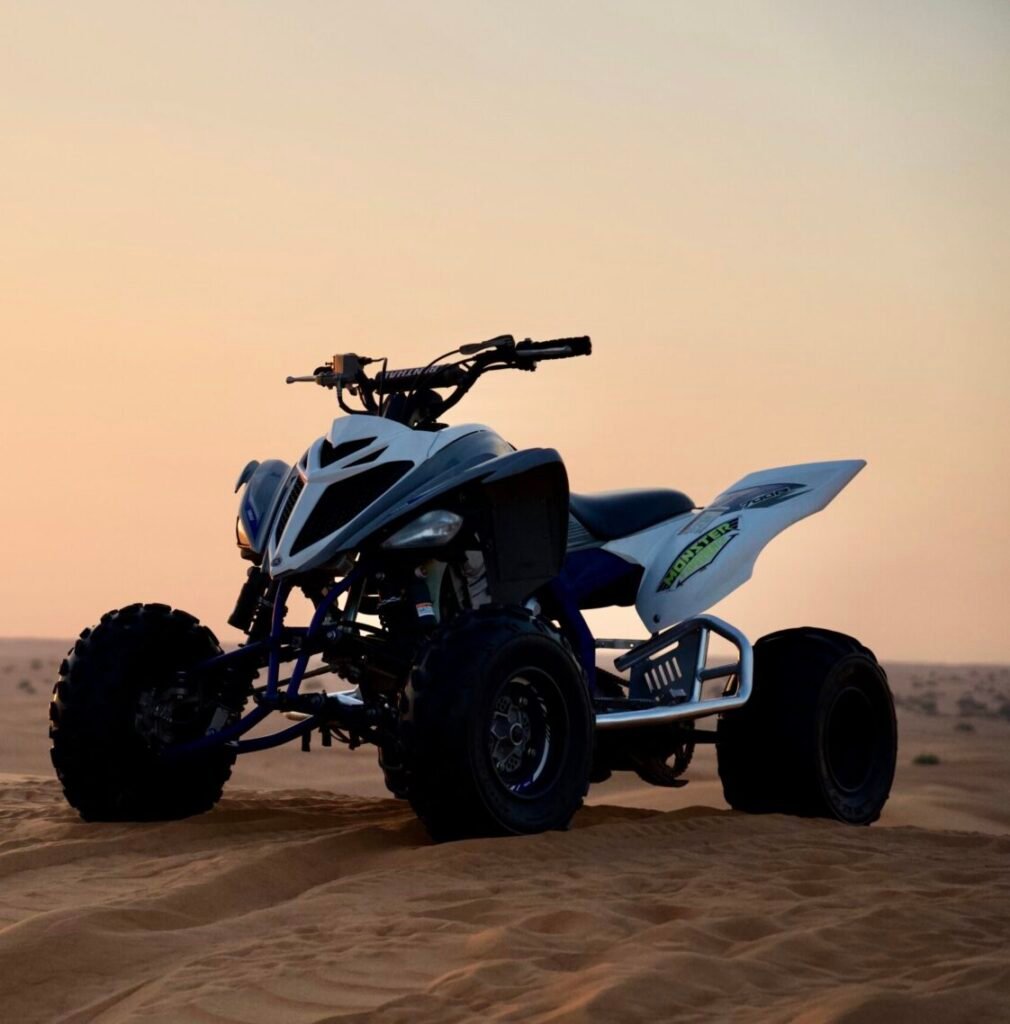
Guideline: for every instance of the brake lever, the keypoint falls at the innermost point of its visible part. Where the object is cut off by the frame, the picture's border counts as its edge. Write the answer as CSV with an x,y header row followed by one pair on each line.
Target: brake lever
x,y
502,341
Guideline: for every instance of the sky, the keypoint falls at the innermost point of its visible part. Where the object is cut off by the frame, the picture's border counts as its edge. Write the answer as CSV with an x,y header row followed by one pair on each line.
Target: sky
x,y
785,225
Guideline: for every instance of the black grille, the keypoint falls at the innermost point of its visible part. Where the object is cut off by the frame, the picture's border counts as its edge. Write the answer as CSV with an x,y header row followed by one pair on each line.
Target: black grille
x,y
328,453
289,504
345,499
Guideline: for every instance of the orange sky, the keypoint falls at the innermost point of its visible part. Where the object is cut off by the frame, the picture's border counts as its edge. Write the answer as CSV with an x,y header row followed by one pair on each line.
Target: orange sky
x,y
786,226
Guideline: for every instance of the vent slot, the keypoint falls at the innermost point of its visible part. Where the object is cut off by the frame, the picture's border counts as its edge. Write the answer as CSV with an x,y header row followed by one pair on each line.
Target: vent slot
x,y
328,453
345,499
289,505
365,459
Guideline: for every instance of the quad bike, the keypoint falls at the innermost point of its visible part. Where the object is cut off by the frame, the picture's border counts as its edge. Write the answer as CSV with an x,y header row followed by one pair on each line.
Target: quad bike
x,y
449,574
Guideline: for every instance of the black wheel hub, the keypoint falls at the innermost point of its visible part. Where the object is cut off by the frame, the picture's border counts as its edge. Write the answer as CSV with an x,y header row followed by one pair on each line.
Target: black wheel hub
x,y
526,733
166,715
169,714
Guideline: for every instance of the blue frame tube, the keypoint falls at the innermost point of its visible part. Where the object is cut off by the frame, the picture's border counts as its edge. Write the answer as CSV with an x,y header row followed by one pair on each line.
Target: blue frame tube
x,y
572,621
277,739
275,643
276,623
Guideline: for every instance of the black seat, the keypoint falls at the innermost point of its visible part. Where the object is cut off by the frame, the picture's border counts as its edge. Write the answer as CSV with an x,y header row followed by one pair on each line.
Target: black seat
x,y
618,513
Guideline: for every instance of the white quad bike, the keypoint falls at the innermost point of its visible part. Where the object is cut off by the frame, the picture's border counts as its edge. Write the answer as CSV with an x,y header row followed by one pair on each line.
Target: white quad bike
x,y
449,573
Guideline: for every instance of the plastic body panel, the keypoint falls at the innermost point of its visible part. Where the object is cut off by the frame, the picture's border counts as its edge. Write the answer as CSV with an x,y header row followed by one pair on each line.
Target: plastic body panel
x,y
387,442
695,560
263,486
436,462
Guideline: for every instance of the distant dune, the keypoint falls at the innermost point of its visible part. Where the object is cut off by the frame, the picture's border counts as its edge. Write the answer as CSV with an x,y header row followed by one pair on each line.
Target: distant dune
x,y
308,896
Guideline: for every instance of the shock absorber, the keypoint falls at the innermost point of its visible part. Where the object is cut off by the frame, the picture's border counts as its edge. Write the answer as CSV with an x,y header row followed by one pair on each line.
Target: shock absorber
x,y
475,574
407,606
249,599
420,597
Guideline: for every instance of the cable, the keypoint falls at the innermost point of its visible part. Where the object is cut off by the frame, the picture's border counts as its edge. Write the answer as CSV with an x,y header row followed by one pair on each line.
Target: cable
x,y
420,376
385,366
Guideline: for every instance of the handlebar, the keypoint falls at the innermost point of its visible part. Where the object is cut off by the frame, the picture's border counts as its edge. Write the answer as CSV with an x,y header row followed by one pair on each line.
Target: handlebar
x,y
500,353
505,350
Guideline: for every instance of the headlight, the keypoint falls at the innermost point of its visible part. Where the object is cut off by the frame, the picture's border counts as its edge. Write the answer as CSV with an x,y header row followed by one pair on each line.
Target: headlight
x,y
430,530
240,535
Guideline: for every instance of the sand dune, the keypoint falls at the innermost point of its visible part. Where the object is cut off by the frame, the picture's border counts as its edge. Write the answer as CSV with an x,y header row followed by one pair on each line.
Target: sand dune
x,y
308,897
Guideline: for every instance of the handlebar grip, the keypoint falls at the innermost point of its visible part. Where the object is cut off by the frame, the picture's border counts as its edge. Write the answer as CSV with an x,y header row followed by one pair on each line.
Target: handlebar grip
x,y
559,348
579,346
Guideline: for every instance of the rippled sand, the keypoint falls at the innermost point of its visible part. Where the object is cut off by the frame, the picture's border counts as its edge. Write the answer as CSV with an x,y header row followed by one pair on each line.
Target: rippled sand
x,y
309,897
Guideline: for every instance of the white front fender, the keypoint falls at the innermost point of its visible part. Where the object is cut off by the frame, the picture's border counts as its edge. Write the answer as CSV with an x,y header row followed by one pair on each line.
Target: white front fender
x,y
695,560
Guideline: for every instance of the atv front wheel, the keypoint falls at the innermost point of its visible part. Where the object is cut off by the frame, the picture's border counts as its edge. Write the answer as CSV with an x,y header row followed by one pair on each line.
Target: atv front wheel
x,y
818,737
497,737
120,698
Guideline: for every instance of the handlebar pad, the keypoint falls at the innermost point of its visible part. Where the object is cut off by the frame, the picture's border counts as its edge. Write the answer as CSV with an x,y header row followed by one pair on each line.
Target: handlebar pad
x,y
408,380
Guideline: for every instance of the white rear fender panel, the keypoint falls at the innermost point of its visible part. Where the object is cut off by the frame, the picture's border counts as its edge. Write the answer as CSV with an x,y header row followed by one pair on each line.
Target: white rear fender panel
x,y
695,560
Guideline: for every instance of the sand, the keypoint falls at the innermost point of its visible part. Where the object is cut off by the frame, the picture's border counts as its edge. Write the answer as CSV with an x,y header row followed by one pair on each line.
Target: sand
x,y
308,896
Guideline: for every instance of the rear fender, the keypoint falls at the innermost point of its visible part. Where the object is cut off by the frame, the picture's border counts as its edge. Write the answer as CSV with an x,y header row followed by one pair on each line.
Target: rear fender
x,y
695,560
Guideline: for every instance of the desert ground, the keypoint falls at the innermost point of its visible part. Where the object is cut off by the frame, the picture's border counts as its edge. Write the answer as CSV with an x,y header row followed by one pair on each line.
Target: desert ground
x,y
309,896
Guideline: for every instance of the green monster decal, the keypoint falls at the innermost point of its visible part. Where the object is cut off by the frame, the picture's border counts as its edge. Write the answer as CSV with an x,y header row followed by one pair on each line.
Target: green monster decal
x,y
699,554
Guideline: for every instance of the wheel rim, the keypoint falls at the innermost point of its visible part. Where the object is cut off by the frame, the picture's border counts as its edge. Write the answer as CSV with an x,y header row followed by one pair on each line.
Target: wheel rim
x,y
527,733
850,739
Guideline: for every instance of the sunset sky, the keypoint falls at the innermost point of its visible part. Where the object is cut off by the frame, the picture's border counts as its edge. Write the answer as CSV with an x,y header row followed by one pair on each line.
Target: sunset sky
x,y
786,226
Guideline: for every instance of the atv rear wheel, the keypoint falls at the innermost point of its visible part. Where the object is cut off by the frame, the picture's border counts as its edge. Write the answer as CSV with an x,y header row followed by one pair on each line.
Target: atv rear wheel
x,y
497,736
818,737
120,698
